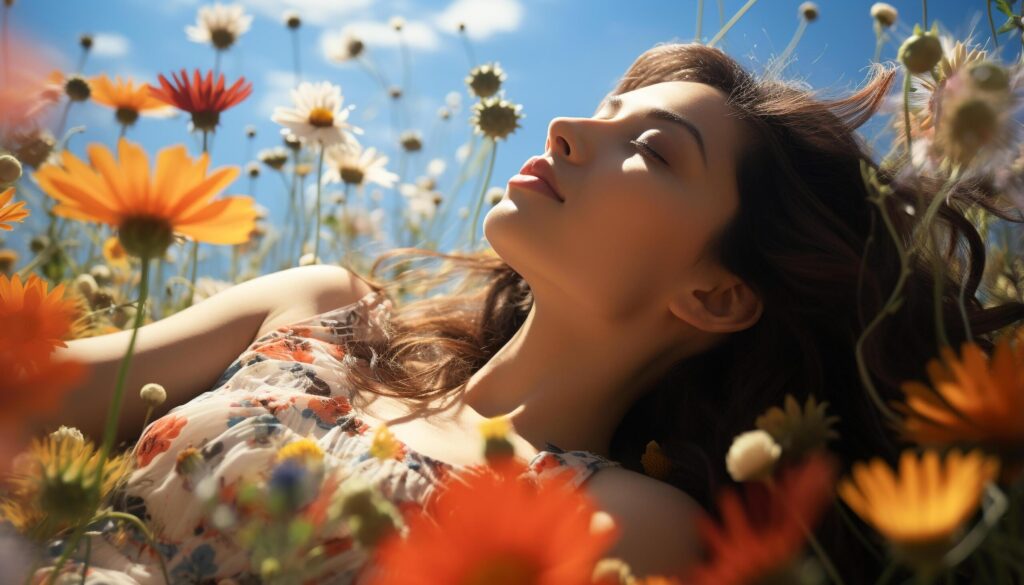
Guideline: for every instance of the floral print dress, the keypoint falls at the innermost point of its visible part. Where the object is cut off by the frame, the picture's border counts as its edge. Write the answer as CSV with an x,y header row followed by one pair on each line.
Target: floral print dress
x,y
286,385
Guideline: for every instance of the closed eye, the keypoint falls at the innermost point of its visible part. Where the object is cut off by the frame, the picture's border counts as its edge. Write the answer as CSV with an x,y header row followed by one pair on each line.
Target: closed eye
x,y
647,150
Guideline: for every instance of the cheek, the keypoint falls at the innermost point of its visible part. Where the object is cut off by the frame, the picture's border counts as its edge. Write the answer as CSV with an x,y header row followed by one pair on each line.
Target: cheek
x,y
629,247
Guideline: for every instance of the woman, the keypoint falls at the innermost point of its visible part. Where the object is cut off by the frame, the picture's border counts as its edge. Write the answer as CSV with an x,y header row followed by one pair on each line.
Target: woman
x,y
701,258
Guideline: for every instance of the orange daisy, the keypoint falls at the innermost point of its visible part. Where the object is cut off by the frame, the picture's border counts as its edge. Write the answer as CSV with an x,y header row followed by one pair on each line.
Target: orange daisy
x,y
11,212
764,536
145,209
489,529
975,399
127,98
32,321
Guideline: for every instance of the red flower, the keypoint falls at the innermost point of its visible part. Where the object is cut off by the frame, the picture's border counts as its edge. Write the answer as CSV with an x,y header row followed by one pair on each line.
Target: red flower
x,y
329,409
763,536
201,97
158,438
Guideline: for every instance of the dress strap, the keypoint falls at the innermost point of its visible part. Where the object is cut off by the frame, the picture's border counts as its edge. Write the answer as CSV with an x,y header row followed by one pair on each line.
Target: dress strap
x,y
556,462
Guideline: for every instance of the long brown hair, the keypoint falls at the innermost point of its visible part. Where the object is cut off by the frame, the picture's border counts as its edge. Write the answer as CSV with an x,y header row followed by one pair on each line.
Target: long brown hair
x,y
799,240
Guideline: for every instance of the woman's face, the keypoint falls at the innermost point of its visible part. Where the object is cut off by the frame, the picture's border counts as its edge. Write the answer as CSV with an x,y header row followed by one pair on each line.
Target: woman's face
x,y
633,224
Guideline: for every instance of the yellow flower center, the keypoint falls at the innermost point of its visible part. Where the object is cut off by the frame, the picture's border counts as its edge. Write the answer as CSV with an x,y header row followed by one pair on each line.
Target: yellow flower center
x,y
321,117
503,569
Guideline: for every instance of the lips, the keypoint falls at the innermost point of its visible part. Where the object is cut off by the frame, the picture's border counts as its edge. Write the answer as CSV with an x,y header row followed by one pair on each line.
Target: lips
x,y
539,167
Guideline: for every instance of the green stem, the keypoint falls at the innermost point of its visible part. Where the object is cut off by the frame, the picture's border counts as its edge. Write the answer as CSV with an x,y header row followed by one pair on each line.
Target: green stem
x,y
295,51
992,24
469,50
88,555
735,18
145,532
924,9
149,412
319,187
114,413
700,19
780,63
194,259
483,193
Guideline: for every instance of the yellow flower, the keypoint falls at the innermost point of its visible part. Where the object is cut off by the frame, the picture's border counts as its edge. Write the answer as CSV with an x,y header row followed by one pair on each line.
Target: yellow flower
x,y
10,212
52,485
385,446
974,400
495,428
147,209
919,510
127,99
304,449
115,254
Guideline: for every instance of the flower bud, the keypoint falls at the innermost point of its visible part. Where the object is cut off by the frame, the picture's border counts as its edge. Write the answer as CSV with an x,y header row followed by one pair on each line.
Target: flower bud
x,y
10,169
921,52
292,20
987,76
67,434
153,394
752,456
809,11
86,285
85,41
77,88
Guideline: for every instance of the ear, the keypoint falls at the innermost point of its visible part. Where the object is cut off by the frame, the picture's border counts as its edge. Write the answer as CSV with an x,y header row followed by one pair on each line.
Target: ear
x,y
725,307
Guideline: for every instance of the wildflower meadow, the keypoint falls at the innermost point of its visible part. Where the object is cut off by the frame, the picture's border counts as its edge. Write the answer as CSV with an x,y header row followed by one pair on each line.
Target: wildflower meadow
x,y
130,195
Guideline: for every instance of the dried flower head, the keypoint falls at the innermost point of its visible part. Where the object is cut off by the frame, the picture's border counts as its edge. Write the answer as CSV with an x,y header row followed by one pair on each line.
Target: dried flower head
x,y
77,88
485,80
495,117
275,158
808,11
291,19
922,51
343,46
884,13
411,141
10,169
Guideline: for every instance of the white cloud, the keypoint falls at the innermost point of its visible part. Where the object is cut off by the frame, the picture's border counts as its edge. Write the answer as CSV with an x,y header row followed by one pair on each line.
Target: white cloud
x,y
110,45
482,19
417,35
316,12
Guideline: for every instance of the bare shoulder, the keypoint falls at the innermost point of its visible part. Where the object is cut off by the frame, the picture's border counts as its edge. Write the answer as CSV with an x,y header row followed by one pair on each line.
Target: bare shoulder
x,y
657,521
305,291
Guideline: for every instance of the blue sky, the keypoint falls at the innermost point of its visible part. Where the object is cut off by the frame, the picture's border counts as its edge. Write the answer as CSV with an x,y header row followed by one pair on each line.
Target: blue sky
x,y
561,57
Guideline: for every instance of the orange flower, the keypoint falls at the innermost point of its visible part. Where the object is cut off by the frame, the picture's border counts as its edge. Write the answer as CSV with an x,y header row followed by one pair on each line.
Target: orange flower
x,y
26,392
32,321
178,197
127,99
201,97
158,439
489,529
764,536
975,399
10,211
115,254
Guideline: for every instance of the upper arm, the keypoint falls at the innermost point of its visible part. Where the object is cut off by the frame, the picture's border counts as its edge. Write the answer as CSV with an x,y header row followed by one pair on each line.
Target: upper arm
x,y
188,351
657,522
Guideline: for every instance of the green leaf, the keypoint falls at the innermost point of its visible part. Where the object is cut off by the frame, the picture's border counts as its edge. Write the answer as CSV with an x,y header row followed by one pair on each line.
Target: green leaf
x,y
1010,24
1005,6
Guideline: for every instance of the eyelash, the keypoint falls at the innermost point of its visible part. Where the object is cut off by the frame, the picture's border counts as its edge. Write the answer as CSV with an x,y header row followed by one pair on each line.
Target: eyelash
x,y
647,150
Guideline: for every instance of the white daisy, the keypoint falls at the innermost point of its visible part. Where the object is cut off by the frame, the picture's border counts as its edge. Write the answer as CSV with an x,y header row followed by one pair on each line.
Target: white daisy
x,y
317,116
219,25
350,163
422,202
342,47
358,221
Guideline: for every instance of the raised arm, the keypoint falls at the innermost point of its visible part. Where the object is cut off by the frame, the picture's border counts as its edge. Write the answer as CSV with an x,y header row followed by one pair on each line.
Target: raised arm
x,y
188,351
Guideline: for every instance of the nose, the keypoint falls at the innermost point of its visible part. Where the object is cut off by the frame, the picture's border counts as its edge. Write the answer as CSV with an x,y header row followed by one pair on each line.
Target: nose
x,y
564,139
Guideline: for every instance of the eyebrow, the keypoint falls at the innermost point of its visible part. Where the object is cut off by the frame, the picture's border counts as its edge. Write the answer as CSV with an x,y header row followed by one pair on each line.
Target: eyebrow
x,y
659,114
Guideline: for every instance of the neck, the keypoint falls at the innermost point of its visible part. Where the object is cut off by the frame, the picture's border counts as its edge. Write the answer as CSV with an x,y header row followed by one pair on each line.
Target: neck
x,y
568,378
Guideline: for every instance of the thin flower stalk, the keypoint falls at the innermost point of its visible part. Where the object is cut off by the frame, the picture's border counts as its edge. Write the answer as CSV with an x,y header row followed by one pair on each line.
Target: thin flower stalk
x,y
483,192
732,21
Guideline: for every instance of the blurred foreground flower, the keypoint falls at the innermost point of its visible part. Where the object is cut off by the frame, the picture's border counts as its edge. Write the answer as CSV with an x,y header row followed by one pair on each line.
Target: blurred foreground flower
x,y
52,487
493,528
127,99
179,197
761,539
973,399
11,212
798,430
920,509
201,97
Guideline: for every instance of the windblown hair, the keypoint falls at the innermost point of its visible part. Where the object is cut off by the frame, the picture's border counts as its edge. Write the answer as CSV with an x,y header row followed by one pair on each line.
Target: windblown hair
x,y
804,230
